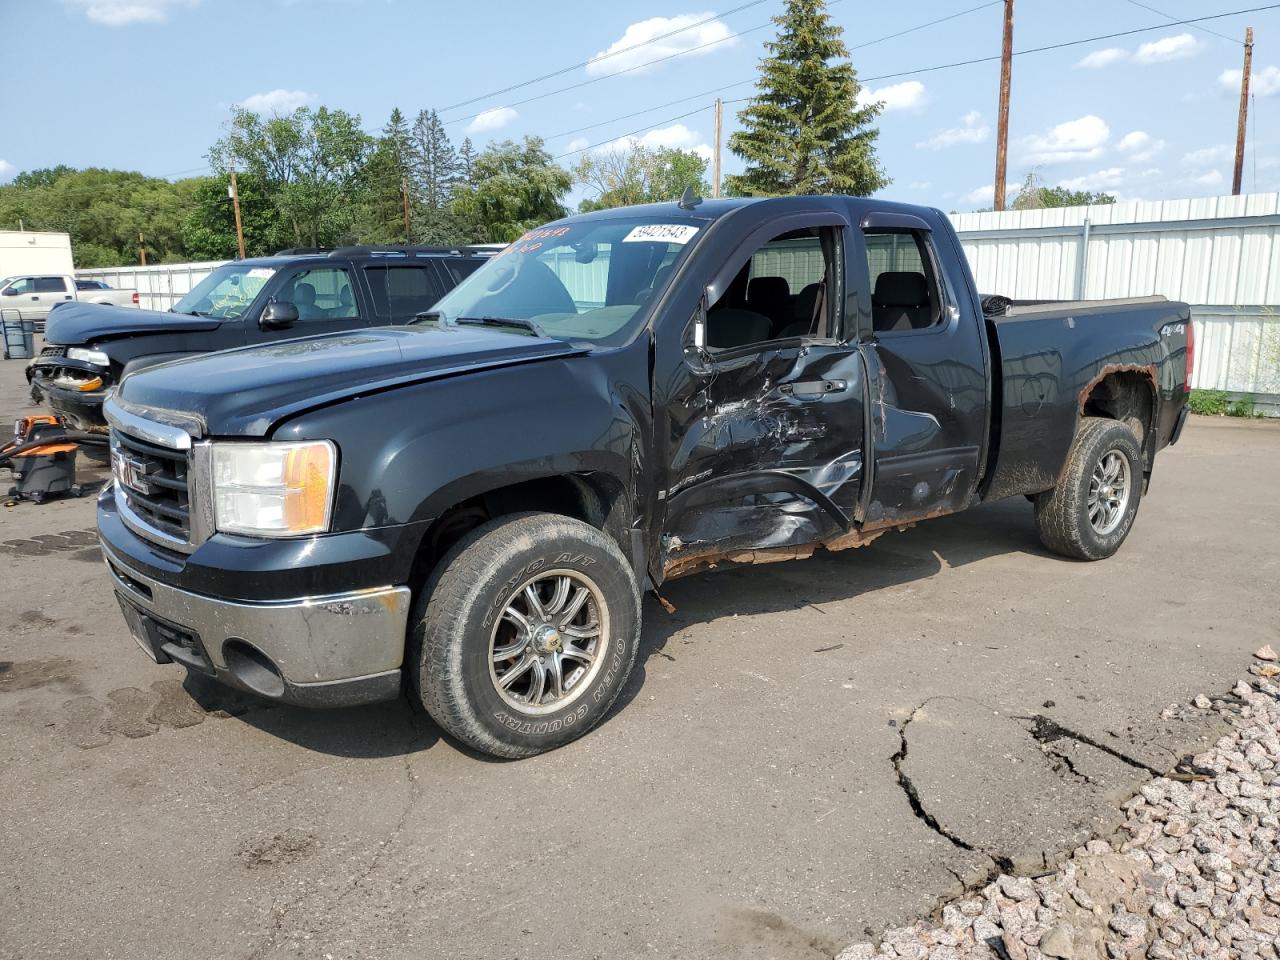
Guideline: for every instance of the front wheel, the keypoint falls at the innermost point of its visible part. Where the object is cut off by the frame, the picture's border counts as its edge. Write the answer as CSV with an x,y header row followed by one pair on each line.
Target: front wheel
x,y
1090,512
525,634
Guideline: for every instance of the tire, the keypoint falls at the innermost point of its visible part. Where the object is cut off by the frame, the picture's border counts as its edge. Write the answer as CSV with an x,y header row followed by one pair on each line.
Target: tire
x,y
1072,524
468,615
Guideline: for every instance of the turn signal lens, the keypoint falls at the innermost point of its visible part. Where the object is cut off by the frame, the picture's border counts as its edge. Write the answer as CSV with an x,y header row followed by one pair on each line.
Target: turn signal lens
x,y
273,489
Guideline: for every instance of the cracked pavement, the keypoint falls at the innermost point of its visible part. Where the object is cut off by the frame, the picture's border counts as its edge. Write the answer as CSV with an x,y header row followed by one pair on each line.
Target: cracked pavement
x,y
808,753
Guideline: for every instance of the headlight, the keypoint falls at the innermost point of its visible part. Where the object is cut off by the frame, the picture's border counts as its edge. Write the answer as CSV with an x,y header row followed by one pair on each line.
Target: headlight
x,y
273,489
89,356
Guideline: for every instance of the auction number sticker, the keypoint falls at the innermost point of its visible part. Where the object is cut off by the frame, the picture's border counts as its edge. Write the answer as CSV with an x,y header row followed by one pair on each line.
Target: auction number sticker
x,y
680,233
261,273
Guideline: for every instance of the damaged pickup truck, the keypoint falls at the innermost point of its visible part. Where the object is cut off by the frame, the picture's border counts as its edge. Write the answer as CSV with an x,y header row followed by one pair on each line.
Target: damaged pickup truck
x,y
471,505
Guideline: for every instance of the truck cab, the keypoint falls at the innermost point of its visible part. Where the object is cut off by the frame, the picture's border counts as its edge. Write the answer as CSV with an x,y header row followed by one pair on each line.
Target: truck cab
x,y
470,506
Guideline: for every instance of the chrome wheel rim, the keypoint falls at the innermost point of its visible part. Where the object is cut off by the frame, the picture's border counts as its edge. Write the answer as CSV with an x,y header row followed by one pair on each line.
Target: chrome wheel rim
x,y
1109,489
549,641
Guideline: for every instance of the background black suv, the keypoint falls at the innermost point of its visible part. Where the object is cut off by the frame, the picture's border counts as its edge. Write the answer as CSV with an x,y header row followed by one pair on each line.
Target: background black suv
x,y
296,293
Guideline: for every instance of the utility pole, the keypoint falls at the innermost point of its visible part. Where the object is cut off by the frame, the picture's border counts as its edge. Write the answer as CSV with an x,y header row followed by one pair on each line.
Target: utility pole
x,y
404,198
234,191
142,249
715,166
1244,112
1002,130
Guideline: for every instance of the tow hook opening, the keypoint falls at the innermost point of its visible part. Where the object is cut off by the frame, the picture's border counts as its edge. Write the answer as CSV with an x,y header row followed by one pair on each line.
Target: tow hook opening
x,y
253,668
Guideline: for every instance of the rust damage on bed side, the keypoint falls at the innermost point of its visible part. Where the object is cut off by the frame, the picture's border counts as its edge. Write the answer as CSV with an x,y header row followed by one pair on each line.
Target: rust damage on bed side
x,y
1147,370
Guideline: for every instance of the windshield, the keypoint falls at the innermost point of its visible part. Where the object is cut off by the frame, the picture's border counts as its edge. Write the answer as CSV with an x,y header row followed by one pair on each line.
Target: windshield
x,y
585,280
226,293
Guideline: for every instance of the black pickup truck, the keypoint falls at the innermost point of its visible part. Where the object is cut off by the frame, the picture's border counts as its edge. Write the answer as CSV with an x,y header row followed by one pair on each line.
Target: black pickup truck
x,y
471,505
294,293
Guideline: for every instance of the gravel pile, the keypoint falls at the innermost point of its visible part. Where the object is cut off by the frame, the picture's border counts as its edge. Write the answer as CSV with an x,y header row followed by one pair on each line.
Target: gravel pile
x,y
1194,871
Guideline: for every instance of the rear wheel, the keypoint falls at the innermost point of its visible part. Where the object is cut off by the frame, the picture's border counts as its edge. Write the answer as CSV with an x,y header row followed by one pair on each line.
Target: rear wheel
x,y
1091,510
525,634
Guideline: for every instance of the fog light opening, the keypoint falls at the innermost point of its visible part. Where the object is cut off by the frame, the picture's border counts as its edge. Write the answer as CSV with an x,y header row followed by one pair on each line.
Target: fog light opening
x,y
253,668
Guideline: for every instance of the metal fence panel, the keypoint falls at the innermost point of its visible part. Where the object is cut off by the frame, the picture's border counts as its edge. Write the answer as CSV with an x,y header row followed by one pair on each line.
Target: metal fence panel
x,y
159,285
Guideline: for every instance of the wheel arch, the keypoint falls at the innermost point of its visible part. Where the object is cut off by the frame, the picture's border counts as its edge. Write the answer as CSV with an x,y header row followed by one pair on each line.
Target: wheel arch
x,y
1127,393
596,497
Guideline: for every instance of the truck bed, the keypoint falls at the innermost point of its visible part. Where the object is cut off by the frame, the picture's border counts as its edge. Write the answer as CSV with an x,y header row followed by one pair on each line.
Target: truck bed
x,y
1051,356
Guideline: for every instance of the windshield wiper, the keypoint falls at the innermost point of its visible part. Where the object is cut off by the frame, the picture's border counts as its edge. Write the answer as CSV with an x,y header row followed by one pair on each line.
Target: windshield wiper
x,y
517,322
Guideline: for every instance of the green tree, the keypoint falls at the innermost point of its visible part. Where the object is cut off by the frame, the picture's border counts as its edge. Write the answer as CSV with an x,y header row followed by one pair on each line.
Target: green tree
x,y
637,174
209,228
516,187
1035,194
466,163
437,174
804,130
311,163
379,217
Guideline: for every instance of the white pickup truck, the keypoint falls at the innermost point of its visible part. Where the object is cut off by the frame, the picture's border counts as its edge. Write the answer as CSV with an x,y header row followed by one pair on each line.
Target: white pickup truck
x,y
34,295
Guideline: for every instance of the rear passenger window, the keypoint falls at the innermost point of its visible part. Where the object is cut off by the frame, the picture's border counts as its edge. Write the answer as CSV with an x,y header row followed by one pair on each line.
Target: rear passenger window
x,y
324,293
50,285
402,291
904,282
459,270
780,293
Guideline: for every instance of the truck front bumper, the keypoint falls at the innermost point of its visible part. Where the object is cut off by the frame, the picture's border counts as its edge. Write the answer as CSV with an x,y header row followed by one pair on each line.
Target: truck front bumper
x,y
81,408
331,650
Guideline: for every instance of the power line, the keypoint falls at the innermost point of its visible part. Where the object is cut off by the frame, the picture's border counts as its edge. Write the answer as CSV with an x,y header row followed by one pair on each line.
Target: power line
x,y
1168,16
738,83
906,73
1067,43
618,73
603,56
633,133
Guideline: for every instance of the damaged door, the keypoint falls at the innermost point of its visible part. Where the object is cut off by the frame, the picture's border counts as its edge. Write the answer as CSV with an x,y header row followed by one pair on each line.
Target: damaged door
x,y
767,412
928,376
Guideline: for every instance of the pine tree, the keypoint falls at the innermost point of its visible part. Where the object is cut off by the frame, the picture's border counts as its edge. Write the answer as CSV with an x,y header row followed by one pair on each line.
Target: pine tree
x,y
804,130
381,217
435,160
467,163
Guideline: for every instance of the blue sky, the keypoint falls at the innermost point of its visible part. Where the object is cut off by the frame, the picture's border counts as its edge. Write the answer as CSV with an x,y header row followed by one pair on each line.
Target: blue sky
x,y
147,84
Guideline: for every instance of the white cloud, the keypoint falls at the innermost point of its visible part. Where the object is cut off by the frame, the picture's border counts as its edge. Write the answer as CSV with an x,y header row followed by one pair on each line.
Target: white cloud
x,y
494,119
692,41
677,135
118,13
576,144
278,102
972,130
1080,139
920,184
1167,48
1262,83
1211,179
1101,58
1098,180
980,196
6,169
1139,146
1208,156
908,95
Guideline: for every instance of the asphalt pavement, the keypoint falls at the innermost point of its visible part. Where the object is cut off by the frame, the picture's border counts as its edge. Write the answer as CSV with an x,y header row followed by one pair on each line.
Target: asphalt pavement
x,y
808,752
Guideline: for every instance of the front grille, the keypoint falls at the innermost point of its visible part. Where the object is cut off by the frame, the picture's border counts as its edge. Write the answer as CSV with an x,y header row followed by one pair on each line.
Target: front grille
x,y
155,484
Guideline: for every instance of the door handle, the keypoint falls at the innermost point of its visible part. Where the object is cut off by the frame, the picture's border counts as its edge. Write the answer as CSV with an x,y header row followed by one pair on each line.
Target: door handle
x,y
813,389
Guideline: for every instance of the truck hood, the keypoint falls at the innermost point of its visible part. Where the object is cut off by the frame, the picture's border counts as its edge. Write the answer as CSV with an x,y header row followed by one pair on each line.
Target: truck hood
x,y
243,392
76,323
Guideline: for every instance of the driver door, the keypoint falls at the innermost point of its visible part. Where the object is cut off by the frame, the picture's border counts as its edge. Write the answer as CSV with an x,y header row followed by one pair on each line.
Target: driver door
x,y
767,411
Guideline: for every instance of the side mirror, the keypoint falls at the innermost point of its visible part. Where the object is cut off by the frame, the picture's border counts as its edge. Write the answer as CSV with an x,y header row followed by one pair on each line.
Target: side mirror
x,y
277,315
9,292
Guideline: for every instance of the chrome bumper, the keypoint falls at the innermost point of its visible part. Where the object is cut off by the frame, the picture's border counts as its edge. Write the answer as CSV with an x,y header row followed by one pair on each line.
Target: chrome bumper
x,y
329,650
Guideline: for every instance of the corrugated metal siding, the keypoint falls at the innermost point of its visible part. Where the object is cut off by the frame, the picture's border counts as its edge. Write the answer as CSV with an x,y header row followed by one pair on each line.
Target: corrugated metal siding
x,y
1219,254
160,285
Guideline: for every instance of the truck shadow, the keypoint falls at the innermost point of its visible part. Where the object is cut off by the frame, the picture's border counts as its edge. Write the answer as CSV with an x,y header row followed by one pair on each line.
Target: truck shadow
x,y
397,728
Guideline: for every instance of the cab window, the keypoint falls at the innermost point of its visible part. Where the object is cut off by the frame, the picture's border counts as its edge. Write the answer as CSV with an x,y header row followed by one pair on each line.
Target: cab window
x,y
50,285
780,293
904,281
22,285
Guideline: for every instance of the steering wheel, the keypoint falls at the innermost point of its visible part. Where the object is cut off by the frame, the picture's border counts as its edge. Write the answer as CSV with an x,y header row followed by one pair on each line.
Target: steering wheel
x,y
504,281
